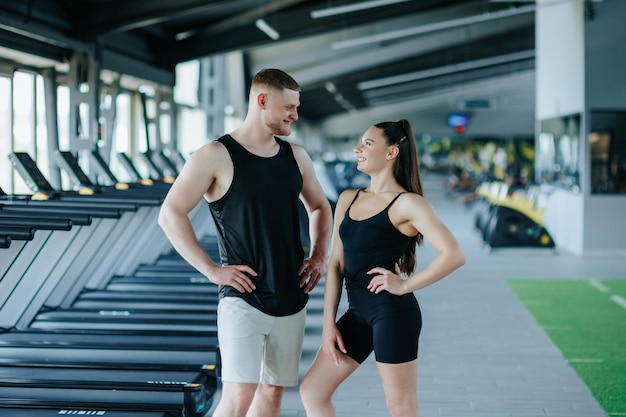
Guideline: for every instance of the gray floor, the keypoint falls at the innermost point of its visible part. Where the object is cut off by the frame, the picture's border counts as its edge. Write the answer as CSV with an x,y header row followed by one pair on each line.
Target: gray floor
x,y
481,352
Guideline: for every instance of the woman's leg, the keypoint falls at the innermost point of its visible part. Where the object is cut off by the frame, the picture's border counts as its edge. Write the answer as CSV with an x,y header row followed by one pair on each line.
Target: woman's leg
x,y
321,381
400,386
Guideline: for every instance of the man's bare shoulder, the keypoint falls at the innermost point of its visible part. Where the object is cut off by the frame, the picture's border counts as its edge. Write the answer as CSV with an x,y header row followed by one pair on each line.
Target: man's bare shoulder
x,y
212,151
302,157
298,150
212,147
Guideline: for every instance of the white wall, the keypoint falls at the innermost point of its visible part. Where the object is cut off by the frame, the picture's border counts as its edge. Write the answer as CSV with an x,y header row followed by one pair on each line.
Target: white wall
x,y
602,216
427,114
559,80
559,58
491,122
563,218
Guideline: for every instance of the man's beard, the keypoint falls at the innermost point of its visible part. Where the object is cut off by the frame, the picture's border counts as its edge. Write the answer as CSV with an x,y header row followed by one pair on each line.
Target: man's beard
x,y
279,128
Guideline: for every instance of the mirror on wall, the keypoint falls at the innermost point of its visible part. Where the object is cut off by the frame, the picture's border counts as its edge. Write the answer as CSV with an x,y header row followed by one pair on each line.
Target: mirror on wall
x,y
607,143
557,160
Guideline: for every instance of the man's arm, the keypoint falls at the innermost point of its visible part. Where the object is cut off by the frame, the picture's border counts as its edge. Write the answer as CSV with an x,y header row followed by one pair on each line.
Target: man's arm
x,y
320,221
199,175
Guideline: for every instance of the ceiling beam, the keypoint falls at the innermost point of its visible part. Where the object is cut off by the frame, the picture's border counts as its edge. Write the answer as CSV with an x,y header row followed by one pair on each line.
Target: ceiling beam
x,y
401,91
446,70
137,14
245,18
293,24
432,27
30,29
345,63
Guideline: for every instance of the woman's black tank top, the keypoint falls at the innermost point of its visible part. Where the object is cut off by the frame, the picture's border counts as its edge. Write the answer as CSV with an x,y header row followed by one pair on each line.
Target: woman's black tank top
x,y
370,243
257,225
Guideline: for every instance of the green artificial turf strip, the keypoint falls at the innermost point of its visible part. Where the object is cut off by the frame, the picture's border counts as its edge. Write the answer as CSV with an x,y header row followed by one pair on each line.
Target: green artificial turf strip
x,y
588,327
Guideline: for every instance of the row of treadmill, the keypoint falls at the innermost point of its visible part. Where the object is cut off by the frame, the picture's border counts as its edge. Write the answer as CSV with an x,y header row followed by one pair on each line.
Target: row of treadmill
x,y
98,315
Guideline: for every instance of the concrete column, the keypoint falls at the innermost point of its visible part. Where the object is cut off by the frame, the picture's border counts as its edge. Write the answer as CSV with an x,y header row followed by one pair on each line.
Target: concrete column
x,y
580,62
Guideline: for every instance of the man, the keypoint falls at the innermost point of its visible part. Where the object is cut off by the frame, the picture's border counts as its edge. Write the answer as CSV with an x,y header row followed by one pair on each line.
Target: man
x,y
252,181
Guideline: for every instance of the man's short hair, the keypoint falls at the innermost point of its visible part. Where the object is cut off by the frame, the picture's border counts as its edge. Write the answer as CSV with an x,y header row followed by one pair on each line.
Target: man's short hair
x,y
275,78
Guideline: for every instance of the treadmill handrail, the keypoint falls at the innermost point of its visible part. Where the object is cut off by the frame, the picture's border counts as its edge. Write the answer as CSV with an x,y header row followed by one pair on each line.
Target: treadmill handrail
x,y
76,218
38,223
86,204
93,212
18,233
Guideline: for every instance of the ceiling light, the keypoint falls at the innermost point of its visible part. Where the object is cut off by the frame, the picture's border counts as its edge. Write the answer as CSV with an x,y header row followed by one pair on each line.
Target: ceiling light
x,y
431,28
448,69
333,11
184,35
330,87
267,29
339,98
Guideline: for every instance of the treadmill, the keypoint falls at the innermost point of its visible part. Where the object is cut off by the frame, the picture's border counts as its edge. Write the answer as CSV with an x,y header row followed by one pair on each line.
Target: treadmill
x,y
126,354
183,302
36,181
140,318
131,355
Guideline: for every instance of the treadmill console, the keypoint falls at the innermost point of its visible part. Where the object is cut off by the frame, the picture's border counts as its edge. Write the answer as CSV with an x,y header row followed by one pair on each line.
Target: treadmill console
x,y
30,173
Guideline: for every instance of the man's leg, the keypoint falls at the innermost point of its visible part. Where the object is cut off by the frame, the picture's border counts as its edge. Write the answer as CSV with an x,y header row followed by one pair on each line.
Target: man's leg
x,y
236,399
267,400
241,335
283,348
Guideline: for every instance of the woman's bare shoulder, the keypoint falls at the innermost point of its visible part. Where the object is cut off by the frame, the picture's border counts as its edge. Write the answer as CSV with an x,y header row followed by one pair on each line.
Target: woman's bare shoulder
x,y
345,198
413,202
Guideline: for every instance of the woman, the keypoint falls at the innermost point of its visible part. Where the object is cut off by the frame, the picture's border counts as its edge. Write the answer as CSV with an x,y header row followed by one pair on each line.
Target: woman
x,y
376,231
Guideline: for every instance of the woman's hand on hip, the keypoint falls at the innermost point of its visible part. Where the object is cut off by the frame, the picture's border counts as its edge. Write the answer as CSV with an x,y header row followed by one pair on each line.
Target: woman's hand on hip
x,y
386,280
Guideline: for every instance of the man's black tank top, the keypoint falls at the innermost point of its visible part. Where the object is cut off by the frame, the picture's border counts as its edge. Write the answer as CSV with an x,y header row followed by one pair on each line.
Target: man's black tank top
x,y
370,243
257,225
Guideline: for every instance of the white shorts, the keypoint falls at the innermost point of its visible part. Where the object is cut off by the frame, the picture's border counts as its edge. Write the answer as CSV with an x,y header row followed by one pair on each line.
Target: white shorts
x,y
256,347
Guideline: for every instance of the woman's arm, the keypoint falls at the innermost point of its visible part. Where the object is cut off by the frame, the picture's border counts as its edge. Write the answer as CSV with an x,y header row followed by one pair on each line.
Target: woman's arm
x,y
417,214
334,282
